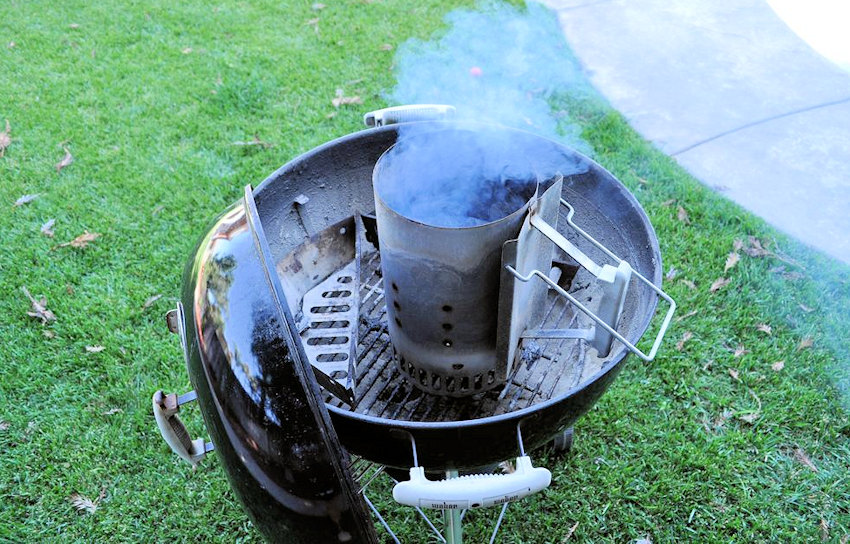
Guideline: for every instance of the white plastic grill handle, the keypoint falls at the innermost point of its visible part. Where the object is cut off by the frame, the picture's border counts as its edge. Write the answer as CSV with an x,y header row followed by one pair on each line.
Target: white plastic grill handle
x,y
473,491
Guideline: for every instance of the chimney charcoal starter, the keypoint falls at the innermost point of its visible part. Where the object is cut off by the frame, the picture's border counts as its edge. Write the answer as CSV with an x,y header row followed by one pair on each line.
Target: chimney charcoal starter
x,y
424,294
445,204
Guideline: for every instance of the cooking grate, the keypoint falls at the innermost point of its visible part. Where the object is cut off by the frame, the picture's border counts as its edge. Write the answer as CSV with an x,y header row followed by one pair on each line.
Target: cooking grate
x,y
544,368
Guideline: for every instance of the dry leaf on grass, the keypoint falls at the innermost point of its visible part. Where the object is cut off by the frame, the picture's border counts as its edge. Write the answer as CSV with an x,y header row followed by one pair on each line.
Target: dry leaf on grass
x,y
734,374
680,345
755,249
83,503
671,274
777,366
824,530
806,343
570,533
317,6
386,47
645,540
765,328
803,458
150,301
731,261
112,411
48,333
689,284
314,23
682,215
668,203
186,50
750,417
66,160
806,309
737,244
342,100
255,141
47,228
740,350
80,241
687,315
5,137
718,284
95,349
26,199
4,425
39,308
844,539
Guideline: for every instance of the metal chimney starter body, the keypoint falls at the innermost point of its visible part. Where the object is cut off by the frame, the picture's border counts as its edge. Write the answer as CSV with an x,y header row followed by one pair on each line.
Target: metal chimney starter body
x,y
442,291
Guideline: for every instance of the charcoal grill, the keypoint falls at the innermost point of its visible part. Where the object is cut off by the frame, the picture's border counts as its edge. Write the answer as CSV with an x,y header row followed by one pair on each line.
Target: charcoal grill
x,y
284,323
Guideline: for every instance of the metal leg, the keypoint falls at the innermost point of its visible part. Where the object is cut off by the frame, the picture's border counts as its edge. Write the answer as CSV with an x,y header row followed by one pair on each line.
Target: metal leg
x,y
452,519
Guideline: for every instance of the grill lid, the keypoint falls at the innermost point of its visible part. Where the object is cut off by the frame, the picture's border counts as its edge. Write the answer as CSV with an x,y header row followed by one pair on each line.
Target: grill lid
x,y
260,400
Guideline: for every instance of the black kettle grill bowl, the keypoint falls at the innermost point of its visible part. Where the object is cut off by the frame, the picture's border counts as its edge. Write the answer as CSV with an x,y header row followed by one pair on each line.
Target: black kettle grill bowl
x,y
276,436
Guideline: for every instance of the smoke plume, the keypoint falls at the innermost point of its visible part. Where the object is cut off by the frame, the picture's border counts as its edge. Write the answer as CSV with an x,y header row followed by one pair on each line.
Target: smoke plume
x,y
497,64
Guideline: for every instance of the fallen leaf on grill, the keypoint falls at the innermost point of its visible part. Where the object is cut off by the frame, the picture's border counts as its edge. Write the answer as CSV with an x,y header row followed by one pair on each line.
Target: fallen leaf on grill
x,y
671,273
687,315
689,284
755,249
81,241
386,47
83,503
6,135
150,301
740,350
507,467
765,328
734,374
39,308
777,366
737,244
682,215
26,199
66,160
803,458
806,343
47,228
718,284
806,308
570,533
680,345
731,261
824,530
95,349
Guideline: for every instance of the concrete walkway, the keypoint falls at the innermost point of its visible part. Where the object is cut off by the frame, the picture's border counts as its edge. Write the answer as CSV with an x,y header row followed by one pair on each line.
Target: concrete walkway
x,y
728,90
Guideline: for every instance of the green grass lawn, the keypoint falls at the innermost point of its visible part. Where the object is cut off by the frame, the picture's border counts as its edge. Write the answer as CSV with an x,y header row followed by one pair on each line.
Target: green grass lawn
x,y
714,441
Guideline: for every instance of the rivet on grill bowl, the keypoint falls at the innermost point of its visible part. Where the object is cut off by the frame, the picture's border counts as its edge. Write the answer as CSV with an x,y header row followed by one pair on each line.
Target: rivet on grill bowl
x,y
447,308
396,305
398,322
447,343
395,287
457,366
447,326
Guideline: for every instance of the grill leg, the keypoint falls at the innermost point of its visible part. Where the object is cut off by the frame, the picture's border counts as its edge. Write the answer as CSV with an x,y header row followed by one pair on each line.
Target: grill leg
x,y
452,520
